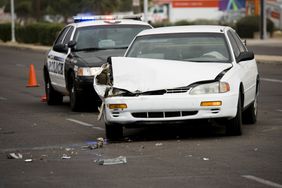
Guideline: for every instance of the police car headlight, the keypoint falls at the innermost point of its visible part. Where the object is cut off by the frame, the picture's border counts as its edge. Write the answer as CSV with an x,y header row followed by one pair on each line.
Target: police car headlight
x,y
210,88
88,71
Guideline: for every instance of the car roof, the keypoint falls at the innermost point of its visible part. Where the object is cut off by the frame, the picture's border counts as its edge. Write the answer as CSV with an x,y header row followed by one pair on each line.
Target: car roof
x,y
109,22
186,29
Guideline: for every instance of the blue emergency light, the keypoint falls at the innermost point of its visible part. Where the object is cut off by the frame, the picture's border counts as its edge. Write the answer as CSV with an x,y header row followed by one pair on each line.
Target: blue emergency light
x,y
104,17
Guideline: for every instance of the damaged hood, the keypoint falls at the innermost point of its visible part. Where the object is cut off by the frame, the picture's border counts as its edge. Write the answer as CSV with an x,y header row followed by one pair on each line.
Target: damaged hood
x,y
138,75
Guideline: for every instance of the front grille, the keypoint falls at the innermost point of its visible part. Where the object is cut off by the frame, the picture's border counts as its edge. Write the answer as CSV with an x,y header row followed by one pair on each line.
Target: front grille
x,y
163,114
166,91
178,90
115,114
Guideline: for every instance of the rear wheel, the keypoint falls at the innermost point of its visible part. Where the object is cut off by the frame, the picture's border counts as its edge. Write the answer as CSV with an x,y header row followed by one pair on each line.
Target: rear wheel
x,y
114,131
234,126
53,97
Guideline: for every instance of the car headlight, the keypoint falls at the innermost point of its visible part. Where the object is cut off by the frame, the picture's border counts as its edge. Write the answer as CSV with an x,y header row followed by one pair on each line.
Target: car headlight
x,y
210,88
88,71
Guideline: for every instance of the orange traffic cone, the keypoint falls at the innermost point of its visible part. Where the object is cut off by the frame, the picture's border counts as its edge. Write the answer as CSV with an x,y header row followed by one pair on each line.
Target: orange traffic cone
x,y
32,82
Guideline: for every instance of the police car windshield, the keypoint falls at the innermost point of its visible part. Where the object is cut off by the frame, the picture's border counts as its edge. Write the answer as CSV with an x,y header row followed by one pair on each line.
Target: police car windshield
x,y
106,36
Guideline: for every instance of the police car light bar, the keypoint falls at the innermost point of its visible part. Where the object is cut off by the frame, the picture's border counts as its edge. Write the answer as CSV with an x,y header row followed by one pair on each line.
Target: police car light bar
x,y
105,17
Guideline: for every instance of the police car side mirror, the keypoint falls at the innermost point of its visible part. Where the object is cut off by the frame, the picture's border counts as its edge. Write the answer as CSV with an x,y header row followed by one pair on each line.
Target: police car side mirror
x,y
71,44
245,56
60,48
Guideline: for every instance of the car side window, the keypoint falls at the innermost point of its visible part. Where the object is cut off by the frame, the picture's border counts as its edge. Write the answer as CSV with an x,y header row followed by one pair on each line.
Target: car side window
x,y
239,42
234,45
68,35
62,35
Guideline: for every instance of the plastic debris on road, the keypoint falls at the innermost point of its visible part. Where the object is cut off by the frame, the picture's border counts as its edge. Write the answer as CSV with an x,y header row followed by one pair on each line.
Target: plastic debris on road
x,y
66,156
206,159
96,144
118,160
28,160
158,144
14,156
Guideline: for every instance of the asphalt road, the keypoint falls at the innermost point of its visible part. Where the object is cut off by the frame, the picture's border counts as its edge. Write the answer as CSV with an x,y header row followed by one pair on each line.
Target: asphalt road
x,y
192,155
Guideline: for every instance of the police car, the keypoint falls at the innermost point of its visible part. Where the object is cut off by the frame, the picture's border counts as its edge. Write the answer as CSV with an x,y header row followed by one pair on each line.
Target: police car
x,y
78,51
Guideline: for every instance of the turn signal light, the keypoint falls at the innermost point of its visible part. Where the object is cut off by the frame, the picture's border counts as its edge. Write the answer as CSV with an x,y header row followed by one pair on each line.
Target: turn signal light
x,y
211,103
117,106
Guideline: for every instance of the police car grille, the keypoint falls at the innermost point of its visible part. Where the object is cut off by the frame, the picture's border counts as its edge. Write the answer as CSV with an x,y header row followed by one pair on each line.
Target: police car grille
x,y
169,114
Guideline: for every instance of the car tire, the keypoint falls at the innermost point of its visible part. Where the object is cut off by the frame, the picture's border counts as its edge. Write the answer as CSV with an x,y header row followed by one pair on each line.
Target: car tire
x,y
113,131
75,99
234,125
53,97
250,114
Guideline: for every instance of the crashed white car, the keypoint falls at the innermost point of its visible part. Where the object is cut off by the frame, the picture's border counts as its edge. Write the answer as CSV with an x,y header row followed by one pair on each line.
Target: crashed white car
x,y
180,73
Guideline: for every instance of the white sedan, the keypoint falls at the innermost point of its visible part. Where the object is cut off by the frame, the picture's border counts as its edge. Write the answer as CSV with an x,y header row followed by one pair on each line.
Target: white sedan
x,y
180,73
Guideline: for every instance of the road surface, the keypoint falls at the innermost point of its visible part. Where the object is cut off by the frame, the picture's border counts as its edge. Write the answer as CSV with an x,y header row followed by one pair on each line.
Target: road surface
x,y
191,155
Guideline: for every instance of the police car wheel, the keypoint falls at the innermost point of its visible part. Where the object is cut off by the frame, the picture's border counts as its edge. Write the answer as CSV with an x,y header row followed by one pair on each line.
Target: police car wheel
x,y
75,99
53,97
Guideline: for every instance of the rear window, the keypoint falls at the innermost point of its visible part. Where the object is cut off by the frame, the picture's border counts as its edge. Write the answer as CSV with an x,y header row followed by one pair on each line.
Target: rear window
x,y
195,47
107,36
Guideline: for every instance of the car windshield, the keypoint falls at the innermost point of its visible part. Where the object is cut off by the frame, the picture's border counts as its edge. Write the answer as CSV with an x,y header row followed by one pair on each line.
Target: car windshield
x,y
106,37
194,47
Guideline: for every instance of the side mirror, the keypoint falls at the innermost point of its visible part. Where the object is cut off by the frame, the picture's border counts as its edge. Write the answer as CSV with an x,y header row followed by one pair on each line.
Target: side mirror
x,y
245,42
245,56
71,44
60,48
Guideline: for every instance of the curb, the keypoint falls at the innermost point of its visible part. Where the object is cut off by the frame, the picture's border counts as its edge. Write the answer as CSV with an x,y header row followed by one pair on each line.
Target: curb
x,y
25,46
259,58
271,59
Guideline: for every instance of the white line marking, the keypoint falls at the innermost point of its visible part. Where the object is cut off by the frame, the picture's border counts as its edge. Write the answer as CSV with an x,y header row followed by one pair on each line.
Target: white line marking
x,y
262,181
271,80
84,124
3,99
278,110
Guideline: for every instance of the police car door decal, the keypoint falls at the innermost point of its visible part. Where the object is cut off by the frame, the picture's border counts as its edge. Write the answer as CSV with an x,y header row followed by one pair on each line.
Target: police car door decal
x,y
56,66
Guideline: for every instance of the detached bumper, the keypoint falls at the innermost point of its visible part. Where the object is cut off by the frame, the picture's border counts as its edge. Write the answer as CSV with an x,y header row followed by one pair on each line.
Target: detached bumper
x,y
170,107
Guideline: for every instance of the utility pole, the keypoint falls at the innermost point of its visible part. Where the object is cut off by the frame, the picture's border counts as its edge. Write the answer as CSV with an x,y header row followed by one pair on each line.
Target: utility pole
x,y
262,20
146,10
13,21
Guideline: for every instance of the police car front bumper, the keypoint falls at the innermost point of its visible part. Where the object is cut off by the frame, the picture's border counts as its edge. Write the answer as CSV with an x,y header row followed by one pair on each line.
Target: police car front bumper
x,y
84,84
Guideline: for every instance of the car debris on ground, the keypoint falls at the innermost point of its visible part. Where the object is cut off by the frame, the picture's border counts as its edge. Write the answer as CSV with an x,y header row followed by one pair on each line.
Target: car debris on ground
x,y
66,156
14,156
96,144
113,161
28,160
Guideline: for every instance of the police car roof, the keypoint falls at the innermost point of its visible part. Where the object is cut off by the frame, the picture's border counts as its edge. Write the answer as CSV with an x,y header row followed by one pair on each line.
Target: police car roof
x,y
109,22
185,29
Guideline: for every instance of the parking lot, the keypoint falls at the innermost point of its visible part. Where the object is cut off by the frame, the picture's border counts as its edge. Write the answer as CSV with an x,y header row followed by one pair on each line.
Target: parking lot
x,y
194,154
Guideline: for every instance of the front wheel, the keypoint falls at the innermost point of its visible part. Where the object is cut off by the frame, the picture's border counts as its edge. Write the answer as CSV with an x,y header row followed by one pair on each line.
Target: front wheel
x,y
250,114
75,99
234,126
114,131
